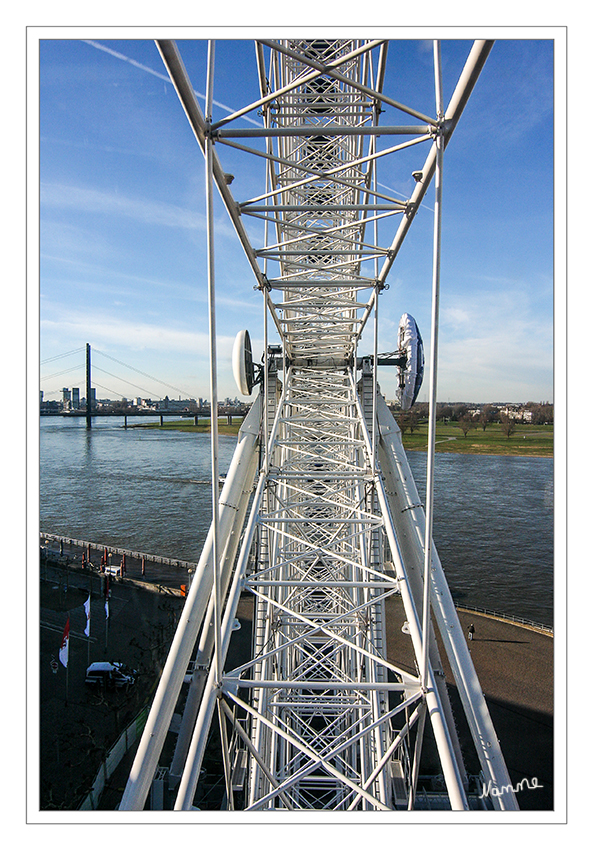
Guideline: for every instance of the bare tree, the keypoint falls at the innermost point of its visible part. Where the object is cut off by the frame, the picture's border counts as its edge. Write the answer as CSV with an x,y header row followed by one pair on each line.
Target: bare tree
x,y
486,416
466,424
507,425
458,412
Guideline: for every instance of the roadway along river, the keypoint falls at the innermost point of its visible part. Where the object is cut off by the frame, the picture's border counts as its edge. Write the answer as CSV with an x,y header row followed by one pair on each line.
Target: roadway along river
x,y
149,490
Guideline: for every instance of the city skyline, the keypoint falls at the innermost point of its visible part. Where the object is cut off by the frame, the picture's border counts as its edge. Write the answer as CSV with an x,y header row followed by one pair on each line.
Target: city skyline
x,y
79,402
122,225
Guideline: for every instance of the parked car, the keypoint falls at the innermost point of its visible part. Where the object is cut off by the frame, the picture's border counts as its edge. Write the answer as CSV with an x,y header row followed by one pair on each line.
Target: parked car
x,y
110,675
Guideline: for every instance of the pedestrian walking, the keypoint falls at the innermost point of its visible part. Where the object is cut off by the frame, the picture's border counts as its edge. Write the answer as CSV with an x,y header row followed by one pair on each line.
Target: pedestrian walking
x,y
471,631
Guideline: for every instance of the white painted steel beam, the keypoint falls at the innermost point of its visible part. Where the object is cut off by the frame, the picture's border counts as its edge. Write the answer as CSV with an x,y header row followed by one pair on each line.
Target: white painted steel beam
x,y
406,506
325,130
239,479
318,718
469,76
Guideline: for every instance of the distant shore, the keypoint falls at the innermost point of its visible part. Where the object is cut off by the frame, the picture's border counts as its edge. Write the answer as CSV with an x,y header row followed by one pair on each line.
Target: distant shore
x,y
187,425
527,441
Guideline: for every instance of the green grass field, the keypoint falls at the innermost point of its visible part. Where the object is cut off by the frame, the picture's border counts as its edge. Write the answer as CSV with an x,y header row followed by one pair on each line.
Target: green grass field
x,y
527,441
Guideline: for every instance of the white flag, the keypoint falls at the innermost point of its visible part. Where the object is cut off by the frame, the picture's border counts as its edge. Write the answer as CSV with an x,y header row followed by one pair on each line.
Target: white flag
x,y
107,609
64,644
87,611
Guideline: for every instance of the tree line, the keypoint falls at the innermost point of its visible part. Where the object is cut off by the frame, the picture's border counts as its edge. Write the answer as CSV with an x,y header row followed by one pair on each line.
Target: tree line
x,y
468,418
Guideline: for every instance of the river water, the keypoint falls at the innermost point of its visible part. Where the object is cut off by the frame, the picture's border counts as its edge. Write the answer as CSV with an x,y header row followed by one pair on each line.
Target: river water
x,y
149,490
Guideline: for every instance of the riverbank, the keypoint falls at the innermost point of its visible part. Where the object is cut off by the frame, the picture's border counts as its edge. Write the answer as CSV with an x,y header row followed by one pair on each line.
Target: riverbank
x,y
188,426
527,441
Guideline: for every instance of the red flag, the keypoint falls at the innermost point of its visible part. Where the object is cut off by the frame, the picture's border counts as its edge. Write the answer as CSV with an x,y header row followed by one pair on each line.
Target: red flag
x,y
64,644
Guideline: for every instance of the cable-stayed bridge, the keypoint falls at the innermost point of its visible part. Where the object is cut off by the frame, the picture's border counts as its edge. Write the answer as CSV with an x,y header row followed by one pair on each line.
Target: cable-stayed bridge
x,y
79,372
319,522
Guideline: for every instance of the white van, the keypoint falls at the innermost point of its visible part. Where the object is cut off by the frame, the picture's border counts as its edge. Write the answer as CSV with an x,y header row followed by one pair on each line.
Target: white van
x,y
110,675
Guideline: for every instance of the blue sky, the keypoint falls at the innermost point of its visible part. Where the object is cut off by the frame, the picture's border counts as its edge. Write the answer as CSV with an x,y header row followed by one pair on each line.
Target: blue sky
x,y
122,222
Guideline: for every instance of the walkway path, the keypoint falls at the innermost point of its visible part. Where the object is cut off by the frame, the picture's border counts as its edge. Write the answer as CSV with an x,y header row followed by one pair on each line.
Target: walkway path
x,y
515,666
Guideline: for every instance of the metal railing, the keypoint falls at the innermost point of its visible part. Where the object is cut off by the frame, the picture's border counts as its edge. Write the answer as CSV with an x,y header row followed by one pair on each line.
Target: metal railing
x,y
510,618
118,550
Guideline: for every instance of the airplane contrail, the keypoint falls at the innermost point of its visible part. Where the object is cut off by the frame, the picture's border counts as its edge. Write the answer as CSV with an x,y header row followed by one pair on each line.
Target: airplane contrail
x,y
167,79
164,77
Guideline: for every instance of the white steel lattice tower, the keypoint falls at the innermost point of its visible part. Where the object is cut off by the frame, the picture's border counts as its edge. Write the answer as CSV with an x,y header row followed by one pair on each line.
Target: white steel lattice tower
x,y
319,521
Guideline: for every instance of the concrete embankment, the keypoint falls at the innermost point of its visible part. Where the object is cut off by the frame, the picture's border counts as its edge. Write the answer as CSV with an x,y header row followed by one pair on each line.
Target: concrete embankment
x,y
150,569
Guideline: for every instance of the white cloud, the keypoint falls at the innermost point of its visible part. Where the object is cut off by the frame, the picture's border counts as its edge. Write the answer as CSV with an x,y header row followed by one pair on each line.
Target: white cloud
x,y
112,331
64,241
455,316
153,348
495,345
86,200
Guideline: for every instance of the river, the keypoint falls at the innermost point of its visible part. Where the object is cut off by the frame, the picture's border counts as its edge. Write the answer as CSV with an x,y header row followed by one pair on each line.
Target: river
x,y
149,490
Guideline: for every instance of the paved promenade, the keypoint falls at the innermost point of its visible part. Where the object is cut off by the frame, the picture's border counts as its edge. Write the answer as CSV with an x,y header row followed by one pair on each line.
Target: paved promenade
x,y
514,664
78,725
515,668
